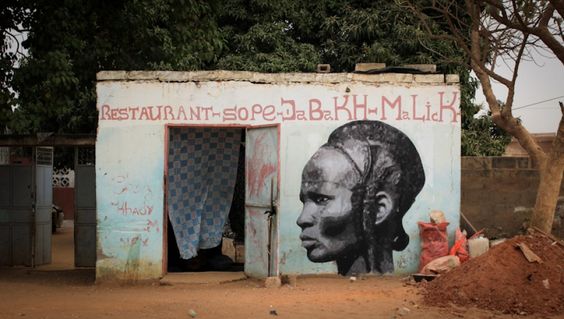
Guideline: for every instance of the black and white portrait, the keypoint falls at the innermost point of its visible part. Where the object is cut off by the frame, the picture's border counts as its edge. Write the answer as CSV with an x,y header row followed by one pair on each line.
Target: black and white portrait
x,y
355,191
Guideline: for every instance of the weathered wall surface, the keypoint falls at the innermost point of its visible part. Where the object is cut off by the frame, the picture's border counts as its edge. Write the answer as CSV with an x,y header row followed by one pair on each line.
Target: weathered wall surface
x,y
129,197
136,107
498,194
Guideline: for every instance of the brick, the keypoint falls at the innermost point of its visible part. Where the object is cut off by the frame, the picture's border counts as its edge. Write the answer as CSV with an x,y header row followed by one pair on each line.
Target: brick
x,y
373,78
396,77
529,174
429,78
476,173
475,162
522,162
452,78
504,162
429,68
362,67
383,78
323,68
110,75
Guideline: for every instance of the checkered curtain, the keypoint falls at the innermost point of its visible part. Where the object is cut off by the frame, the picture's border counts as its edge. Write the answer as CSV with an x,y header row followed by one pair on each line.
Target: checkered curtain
x,y
202,169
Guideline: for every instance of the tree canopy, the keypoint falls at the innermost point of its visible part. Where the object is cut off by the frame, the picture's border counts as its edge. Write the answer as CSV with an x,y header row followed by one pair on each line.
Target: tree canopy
x,y
506,31
480,136
68,42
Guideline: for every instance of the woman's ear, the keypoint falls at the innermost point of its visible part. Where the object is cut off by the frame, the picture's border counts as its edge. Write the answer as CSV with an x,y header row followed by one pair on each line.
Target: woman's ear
x,y
385,204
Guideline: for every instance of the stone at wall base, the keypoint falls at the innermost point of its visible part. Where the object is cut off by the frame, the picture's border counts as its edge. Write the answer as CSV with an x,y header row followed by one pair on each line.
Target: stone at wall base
x,y
272,282
478,246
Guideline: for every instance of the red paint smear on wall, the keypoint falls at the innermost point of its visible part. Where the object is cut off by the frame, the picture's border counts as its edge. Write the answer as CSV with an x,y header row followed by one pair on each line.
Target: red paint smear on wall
x,y
257,170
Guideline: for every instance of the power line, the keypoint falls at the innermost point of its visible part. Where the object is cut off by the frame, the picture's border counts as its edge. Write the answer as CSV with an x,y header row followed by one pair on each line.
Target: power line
x,y
539,102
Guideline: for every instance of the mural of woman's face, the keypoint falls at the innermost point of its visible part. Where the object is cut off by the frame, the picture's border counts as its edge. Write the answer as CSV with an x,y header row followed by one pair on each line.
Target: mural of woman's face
x,y
327,217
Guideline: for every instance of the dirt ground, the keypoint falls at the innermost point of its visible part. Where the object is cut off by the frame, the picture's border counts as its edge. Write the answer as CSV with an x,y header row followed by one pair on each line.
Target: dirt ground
x,y
504,279
59,291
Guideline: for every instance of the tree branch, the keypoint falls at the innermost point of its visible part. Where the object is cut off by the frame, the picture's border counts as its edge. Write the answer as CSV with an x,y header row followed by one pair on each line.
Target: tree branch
x,y
540,31
516,13
558,145
559,26
558,5
545,16
508,108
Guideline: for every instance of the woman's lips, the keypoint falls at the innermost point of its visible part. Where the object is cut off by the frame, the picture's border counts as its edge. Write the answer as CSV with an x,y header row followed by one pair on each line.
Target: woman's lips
x,y
308,242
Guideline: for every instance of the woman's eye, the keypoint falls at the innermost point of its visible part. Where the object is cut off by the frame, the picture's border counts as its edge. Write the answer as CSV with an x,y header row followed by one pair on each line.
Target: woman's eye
x,y
320,199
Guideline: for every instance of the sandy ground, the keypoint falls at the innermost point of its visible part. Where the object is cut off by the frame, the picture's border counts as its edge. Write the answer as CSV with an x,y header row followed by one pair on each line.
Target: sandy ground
x,y
62,248
60,291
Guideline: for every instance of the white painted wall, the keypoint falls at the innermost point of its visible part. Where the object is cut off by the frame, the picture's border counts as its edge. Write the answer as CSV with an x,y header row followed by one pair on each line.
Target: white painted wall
x,y
131,150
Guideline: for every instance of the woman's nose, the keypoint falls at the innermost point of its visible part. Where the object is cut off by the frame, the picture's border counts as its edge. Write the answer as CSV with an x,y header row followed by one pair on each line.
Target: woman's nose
x,y
306,218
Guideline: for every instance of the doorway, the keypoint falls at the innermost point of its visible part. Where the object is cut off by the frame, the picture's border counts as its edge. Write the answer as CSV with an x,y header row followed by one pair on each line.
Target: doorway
x,y
25,206
33,232
74,209
205,198
221,191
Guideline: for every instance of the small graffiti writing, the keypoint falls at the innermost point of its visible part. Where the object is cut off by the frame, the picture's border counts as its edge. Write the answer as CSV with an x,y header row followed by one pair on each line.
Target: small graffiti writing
x,y
131,241
353,107
126,210
131,199
152,224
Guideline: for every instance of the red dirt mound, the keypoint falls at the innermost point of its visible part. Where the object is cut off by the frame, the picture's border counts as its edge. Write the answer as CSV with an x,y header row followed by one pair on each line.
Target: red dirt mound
x,y
503,280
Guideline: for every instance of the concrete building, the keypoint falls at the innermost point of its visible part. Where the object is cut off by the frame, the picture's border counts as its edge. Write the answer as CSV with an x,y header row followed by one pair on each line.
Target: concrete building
x,y
543,139
337,171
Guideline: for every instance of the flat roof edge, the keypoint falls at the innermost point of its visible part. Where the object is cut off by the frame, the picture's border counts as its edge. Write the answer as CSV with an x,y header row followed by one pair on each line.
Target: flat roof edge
x,y
275,78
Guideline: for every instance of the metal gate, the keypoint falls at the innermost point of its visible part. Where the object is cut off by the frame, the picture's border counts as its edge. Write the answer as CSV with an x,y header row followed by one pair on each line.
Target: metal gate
x,y
42,205
85,207
25,210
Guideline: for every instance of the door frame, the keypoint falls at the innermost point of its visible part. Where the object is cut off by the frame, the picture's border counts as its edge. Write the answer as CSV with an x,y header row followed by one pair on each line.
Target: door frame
x,y
167,128
274,234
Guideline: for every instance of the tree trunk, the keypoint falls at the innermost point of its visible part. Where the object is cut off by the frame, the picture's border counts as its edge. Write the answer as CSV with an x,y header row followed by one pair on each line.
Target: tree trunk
x,y
550,165
547,197
550,181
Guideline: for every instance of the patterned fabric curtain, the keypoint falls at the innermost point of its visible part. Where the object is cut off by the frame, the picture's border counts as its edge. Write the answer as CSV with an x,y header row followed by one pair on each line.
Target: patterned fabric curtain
x,y
202,169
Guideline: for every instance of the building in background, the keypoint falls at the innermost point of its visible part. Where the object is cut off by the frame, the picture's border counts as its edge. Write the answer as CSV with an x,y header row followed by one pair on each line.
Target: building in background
x,y
543,139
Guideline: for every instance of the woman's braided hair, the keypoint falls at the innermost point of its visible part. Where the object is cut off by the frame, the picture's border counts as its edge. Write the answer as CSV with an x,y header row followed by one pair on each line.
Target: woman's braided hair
x,y
386,160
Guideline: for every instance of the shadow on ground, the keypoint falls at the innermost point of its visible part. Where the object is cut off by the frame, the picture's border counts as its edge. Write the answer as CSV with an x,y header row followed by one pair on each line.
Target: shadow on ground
x,y
71,277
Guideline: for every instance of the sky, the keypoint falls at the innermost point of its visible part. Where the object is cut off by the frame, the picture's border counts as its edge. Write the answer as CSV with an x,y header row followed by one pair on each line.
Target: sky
x,y
538,81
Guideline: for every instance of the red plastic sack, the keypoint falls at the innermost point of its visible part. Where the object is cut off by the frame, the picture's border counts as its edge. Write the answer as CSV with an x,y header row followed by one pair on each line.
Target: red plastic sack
x,y
434,242
460,247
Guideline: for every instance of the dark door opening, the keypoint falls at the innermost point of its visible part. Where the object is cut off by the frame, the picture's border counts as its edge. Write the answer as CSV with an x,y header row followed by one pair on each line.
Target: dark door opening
x,y
205,199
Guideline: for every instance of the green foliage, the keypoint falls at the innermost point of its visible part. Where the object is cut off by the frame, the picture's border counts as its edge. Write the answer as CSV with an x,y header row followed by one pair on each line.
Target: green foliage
x,y
374,31
266,47
6,96
12,16
290,35
72,40
480,136
259,36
